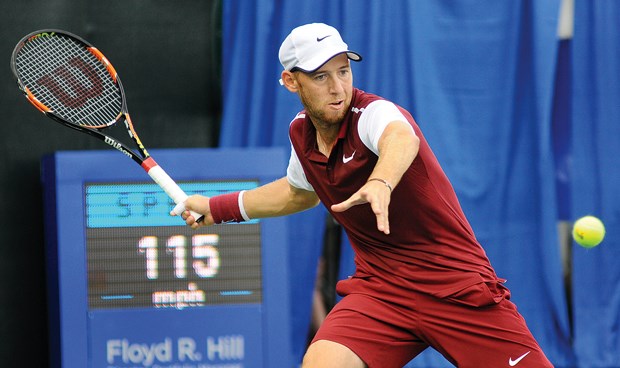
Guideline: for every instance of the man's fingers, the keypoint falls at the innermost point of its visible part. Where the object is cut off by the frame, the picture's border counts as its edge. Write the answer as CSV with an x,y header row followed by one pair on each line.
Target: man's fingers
x,y
383,223
379,204
341,207
178,209
354,200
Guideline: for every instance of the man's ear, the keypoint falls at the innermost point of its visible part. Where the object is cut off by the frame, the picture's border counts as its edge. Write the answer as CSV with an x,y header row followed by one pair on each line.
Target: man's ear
x,y
289,81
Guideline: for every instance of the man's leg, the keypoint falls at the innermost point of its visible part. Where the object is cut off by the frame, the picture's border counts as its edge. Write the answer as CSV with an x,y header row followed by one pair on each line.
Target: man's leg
x,y
329,354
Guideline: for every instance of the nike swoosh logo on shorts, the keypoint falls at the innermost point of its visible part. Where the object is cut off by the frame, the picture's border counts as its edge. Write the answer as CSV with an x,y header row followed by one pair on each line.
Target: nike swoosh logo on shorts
x,y
512,363
346,159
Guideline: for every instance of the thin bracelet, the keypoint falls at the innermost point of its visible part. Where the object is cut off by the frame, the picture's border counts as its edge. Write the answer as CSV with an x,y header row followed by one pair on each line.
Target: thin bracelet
x,y
383,181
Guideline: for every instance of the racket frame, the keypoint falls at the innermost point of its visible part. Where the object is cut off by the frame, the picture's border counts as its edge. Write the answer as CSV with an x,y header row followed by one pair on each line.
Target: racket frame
x,y
142,156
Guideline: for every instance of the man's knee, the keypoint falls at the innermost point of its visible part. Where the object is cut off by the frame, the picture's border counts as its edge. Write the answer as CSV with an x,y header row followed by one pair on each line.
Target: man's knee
x,y
327,354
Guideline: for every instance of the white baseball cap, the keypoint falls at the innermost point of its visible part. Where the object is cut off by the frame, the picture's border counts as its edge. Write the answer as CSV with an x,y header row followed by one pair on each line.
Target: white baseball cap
x,y
310,46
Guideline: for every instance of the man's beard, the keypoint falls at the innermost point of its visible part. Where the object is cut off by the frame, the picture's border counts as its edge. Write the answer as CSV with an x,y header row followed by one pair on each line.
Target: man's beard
x,y
319,115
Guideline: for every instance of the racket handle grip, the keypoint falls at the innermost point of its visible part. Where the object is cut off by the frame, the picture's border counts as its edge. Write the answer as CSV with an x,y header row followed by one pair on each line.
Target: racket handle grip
x,y
171,188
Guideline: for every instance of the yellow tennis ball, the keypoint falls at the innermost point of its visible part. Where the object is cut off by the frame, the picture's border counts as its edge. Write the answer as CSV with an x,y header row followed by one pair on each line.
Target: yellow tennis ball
x,y
588,231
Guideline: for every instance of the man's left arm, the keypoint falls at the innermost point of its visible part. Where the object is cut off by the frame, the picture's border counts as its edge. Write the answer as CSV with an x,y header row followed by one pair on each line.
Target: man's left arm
x,y
398,146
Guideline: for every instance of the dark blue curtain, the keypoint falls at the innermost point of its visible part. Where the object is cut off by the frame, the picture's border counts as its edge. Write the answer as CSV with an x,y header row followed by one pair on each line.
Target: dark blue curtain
x,y
596,180
483,96
478,77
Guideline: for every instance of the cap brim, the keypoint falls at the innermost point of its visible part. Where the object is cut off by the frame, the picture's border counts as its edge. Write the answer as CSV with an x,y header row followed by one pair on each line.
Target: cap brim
x,y
352,55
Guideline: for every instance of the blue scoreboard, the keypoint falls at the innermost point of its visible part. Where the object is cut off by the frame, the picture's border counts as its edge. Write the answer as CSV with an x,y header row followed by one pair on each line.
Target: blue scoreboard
x,y
132,286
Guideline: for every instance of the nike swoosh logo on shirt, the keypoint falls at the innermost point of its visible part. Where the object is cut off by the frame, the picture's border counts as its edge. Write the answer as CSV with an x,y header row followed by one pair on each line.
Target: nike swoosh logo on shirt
x,y
512,363
346,159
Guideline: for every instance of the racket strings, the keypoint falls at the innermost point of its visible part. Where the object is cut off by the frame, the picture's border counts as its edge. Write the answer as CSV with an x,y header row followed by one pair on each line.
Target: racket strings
x,y
62,74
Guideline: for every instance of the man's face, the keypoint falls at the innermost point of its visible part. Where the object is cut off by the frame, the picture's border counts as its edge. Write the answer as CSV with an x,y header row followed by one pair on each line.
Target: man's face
x,y
326,93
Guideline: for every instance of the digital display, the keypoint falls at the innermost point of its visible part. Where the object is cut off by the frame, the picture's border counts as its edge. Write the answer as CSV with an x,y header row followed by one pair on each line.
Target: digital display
x,y
139,256
131,286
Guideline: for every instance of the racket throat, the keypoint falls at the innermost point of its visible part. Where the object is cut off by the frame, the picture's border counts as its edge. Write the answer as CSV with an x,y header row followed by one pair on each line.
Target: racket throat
x,y
116,144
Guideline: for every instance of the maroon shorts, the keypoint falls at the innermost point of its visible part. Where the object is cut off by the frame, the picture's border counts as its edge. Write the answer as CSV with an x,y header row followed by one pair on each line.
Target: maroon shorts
x,y
387,326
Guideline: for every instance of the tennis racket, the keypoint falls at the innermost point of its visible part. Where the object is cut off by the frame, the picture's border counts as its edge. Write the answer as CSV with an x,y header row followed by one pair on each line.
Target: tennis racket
x,y
72,82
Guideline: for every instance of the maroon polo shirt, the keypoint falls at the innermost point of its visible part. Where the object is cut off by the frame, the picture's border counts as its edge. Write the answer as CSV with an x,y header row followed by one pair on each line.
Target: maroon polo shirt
x,y
431,247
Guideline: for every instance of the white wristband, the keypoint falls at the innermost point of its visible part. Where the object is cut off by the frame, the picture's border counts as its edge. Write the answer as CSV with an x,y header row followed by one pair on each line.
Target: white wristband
x,y
241,207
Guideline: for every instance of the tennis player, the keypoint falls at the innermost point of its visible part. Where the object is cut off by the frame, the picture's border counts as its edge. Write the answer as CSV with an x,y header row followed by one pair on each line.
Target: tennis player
x,y
422,279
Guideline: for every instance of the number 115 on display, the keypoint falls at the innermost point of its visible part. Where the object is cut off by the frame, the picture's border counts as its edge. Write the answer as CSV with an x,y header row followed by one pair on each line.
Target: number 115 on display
x,y
204,252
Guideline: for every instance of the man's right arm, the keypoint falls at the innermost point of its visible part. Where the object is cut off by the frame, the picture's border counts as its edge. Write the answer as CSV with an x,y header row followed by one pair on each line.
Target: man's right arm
x,y
278,198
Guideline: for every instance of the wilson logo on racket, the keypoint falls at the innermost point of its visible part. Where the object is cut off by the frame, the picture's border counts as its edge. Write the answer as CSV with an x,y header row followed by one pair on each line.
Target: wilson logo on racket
x,y
116,145
81,92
